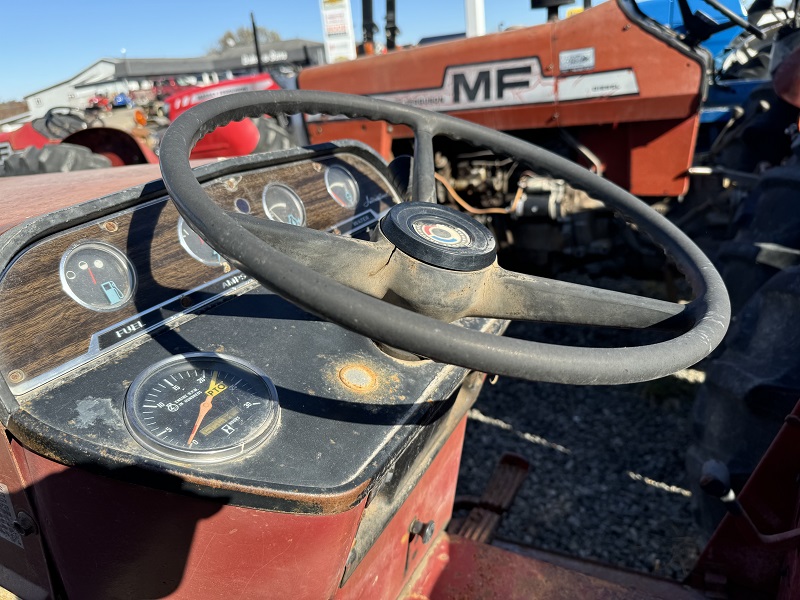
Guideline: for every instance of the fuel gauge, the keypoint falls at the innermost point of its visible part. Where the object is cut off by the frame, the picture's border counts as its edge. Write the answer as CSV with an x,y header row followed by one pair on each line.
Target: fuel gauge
x,y
97,276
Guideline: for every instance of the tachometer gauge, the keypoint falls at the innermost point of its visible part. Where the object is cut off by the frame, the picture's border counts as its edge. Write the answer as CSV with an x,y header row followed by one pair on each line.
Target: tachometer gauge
x,y
201,408
97,276
282,204
341,186
197,246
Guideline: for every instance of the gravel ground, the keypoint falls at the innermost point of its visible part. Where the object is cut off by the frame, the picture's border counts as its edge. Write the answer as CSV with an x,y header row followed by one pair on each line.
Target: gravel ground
x,y
607,478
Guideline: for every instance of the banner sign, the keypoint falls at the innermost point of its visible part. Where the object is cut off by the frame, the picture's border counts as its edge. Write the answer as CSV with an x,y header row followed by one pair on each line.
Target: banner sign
x,y
337,29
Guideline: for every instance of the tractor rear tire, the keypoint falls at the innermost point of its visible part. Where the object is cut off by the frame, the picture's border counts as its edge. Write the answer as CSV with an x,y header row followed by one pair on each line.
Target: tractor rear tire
x,y
273,137
52,158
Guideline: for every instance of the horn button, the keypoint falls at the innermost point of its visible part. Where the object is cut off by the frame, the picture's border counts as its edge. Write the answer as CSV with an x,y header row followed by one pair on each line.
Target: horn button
x,y
439,236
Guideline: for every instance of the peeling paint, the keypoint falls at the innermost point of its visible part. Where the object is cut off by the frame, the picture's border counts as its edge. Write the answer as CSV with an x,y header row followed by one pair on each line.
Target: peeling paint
x,y
91,410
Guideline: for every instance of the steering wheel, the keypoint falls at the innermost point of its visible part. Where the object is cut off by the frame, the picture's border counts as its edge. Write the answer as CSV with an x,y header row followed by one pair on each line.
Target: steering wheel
x,y
429,265
700,27
63,121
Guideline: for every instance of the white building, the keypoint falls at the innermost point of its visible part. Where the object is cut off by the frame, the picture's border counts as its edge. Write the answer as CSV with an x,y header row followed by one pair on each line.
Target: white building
x,y
76,91
111,76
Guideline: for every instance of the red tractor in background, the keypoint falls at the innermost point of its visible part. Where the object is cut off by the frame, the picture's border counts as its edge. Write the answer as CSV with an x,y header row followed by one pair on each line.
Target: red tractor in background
x,y
628,96
237,138
67,139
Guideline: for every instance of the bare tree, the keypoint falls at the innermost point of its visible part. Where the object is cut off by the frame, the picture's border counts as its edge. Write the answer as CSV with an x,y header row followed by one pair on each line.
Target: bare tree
x,y
243,37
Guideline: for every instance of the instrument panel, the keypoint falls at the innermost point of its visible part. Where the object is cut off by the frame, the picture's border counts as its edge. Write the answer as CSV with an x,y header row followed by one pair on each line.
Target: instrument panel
x,y
91,289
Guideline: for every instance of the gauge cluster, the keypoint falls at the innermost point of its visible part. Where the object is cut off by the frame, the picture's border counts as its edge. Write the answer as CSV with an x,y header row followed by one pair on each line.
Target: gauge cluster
x,y
96,287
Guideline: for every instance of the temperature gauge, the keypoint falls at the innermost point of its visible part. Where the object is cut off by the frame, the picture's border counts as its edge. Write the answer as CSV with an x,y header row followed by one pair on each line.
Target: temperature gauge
x,y
97,275
201,407
341,186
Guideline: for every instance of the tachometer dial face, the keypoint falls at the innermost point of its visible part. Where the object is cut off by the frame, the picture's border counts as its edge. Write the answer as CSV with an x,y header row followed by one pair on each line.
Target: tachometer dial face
x,y
197,246
341,186
201,408
282,204
97,275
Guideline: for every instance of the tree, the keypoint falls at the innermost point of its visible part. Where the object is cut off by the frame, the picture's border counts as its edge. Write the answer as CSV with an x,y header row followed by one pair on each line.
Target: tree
x,y
243,37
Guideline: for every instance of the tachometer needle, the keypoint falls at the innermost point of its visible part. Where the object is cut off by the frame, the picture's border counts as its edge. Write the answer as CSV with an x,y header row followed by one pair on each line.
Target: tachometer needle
x,y
205,406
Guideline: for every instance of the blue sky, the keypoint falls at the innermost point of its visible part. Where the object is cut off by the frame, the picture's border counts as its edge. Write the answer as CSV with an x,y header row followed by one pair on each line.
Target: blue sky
x,y
47,41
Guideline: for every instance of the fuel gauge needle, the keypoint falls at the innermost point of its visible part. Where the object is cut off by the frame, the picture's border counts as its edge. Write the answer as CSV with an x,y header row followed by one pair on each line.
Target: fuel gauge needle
x,y
205,406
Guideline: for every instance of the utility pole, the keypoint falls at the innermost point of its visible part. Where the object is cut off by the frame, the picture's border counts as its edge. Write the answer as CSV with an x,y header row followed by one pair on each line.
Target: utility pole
x,y
255,39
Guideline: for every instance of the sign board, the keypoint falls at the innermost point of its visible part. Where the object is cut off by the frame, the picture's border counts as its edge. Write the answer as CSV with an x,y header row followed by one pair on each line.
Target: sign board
x,y
518,82
337,29
5,151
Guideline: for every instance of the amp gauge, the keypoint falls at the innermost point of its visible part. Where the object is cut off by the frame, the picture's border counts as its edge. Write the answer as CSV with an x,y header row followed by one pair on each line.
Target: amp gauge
x,y
201,408
196,246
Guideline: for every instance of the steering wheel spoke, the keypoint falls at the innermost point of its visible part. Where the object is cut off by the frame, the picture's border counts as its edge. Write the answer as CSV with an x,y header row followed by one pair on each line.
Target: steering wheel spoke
x,y
509,295
423,184
352,262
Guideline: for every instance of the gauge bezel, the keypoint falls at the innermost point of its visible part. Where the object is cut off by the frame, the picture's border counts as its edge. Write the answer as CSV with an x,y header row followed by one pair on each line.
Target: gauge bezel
x,y
295,199
192,253
148,441
348,175
106,247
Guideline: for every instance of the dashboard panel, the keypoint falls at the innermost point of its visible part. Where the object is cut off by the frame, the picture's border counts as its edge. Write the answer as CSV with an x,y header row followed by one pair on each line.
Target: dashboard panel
x,y
185,374
171,279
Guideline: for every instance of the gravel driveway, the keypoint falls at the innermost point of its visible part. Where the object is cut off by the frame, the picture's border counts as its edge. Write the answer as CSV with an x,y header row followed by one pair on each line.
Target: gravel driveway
x,y
607,478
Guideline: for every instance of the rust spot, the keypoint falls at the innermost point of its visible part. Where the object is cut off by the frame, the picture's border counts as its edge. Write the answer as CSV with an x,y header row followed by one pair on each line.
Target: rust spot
x,y
358,378
232,183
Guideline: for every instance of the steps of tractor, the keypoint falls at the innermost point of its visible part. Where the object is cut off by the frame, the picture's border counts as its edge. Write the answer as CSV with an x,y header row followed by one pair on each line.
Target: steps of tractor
x,y
484,518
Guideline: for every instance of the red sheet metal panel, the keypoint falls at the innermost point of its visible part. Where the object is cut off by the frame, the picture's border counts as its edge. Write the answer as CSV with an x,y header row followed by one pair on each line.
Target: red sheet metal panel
x,y
734,560
388,565
111,539
476,570
24,568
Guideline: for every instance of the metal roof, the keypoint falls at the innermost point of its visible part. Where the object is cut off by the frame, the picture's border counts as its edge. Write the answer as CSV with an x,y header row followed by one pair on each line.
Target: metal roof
x,y
285,51
298,51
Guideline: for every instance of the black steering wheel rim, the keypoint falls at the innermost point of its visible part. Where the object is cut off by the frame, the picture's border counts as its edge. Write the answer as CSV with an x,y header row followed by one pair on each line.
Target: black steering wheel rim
x,y
416,333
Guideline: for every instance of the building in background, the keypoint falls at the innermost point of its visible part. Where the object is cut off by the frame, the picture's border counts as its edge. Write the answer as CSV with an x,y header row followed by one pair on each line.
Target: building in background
x,y
111,76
